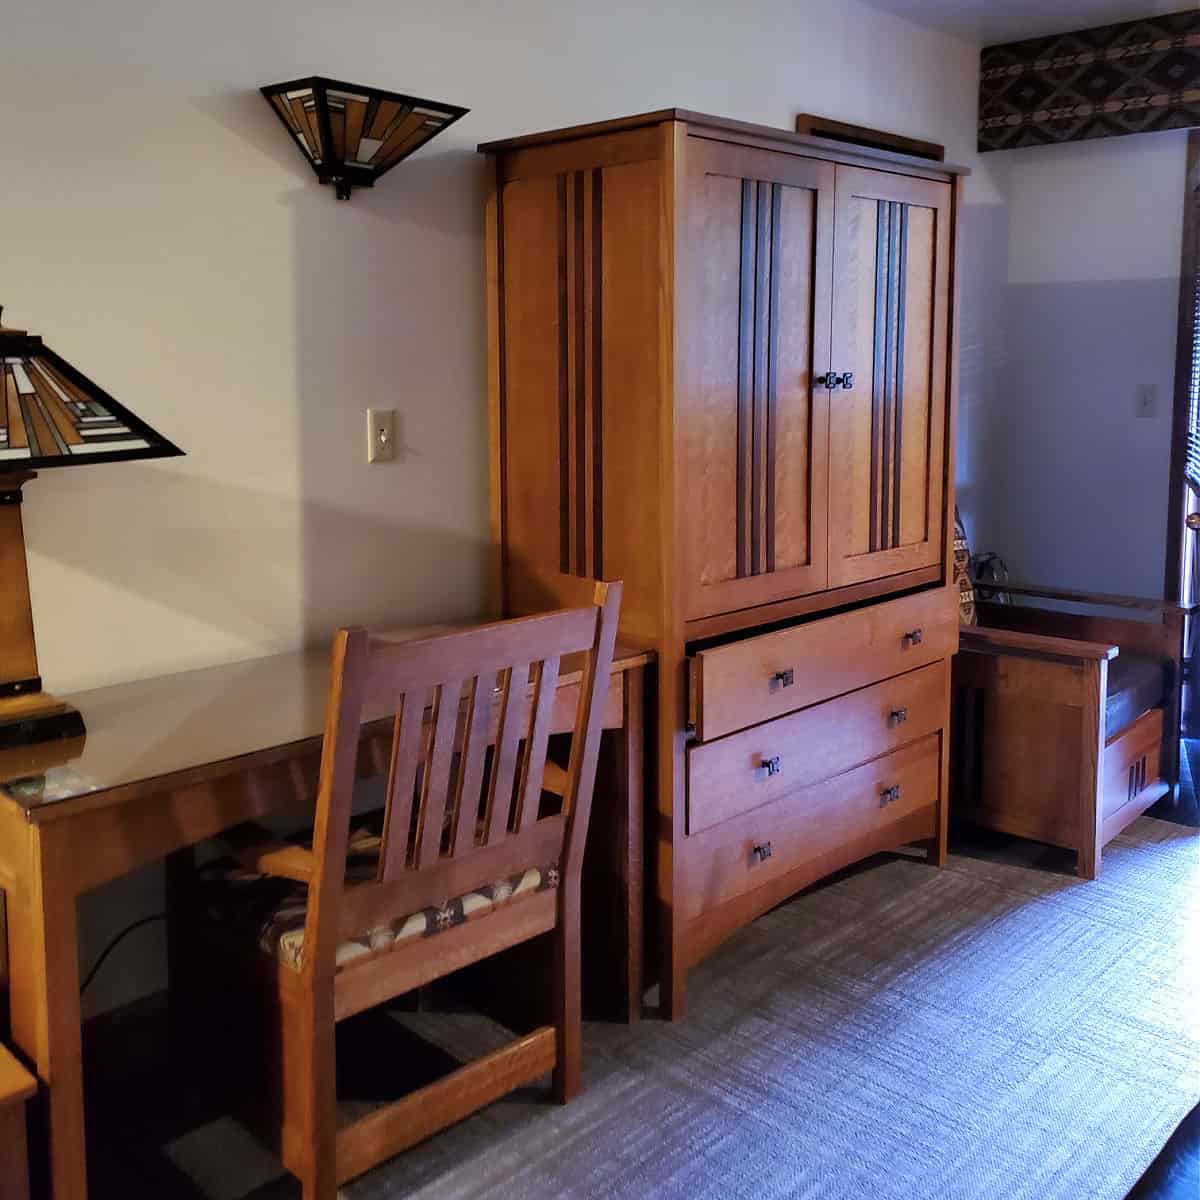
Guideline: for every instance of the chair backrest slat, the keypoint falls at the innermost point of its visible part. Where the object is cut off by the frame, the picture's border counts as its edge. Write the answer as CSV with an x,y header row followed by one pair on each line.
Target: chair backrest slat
x,y
435,790
514,708
471,763
409,749
474,712
534,767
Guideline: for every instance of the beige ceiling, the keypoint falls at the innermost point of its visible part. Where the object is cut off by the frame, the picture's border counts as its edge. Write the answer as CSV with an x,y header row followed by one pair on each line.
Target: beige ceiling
x,y
991,21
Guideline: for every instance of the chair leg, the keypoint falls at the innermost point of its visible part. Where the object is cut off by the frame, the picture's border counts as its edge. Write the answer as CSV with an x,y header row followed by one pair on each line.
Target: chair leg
x,y
568,1021
310,1092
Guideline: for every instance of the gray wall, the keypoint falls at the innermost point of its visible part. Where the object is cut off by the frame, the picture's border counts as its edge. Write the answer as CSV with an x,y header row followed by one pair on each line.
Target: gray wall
x,y
1058,473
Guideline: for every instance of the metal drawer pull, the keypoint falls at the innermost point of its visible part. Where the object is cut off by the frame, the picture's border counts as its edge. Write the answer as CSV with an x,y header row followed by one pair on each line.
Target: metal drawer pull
x,y
913,638
768,767
889,795
898,716
760,852
784,678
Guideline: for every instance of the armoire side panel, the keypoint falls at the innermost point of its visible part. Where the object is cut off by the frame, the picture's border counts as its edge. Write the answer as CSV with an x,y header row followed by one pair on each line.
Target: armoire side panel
x,y
532,373
580,393
631,386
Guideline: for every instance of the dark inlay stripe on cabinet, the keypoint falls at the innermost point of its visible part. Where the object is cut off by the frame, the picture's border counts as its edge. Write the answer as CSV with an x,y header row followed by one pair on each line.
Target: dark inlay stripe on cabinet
x,y
597,564
745,374
879,365
579,566
762,246
564,389
757,385
901,219
887,384
772,382
580,432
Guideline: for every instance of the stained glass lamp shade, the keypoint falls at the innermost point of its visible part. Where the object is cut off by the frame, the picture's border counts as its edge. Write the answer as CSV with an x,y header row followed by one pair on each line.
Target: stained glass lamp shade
x,y
51,415
351,134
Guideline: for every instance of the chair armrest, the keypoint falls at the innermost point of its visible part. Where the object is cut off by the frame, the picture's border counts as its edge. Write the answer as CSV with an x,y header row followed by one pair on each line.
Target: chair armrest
x,y
1102,599
258,849
979,639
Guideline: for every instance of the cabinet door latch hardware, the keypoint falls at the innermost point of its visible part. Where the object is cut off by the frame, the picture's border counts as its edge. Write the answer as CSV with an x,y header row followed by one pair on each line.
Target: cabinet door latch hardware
x,y
889,795
784,678
760,852
898,716
913,638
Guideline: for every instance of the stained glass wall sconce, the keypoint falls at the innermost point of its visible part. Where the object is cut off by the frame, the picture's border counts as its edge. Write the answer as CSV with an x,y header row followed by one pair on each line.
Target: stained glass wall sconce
x,y
350,134
51,415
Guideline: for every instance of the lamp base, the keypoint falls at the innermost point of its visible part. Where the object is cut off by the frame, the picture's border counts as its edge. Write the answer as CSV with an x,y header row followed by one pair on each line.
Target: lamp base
x,y
38,717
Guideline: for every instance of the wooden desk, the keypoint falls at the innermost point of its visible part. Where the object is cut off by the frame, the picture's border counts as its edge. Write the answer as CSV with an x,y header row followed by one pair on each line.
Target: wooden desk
x,y
168,762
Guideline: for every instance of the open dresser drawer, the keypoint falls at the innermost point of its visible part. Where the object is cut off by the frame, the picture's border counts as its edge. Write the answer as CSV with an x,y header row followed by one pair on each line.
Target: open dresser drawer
x,y
742,683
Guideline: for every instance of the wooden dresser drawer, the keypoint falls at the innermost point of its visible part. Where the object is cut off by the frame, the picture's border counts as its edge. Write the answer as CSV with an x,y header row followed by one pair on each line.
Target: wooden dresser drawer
x,y
883,803
744,770
742,683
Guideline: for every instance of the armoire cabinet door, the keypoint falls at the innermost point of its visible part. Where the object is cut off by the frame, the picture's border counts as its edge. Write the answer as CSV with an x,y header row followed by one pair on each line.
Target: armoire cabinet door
x,y
752,333
887,427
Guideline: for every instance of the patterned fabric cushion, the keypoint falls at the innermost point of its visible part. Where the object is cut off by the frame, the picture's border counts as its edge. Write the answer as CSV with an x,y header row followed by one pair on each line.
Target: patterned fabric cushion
x,y
962,573
271,910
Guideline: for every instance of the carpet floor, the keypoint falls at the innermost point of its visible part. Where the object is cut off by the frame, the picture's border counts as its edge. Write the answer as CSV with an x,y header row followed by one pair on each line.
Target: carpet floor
x,y
985,1032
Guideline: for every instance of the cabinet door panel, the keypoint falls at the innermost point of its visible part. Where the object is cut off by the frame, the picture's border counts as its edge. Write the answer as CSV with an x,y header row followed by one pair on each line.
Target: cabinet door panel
x,y
753,331
887,431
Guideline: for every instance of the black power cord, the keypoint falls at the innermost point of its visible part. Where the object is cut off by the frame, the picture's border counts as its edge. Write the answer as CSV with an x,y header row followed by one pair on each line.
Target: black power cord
x,y
116,941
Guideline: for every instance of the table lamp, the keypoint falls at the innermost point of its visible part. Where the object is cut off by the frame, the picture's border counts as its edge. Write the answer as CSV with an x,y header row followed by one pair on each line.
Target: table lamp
x,y
51,415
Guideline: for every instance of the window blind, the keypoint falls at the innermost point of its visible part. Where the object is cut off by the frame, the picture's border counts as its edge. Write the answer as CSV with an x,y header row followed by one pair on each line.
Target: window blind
x,y
1191,281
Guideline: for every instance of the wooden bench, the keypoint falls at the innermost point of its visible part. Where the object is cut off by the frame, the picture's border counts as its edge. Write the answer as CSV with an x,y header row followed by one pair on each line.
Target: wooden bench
x,y
16,1087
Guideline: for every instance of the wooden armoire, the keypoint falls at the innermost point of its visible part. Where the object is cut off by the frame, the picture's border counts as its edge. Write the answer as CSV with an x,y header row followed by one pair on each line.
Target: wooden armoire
x,y
721,369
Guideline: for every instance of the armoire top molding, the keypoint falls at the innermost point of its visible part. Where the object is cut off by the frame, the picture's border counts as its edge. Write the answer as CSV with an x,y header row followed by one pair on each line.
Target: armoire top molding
x,y
823,147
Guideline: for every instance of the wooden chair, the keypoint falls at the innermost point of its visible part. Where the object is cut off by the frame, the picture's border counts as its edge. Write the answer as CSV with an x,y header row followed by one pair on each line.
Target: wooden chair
x,y
461,839
1066,723
16,1087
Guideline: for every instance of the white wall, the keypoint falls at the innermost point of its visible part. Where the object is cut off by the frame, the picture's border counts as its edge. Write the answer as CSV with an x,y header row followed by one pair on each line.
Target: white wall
x,y
1073,484
164,235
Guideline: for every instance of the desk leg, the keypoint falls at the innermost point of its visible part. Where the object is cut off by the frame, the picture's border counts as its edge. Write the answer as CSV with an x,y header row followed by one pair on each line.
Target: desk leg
x,y
44,991
631,768
613,869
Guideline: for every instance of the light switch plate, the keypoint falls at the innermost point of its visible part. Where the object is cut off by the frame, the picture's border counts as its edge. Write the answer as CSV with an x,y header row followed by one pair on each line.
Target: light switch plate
x,y
1147,399
381,434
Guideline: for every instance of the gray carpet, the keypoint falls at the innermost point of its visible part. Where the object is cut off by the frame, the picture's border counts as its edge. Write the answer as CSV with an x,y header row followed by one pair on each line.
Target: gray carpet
x,y
985,1032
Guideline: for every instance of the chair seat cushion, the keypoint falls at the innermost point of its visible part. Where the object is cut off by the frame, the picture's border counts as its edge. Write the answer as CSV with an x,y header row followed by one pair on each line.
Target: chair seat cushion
x,y
1136,684
271,911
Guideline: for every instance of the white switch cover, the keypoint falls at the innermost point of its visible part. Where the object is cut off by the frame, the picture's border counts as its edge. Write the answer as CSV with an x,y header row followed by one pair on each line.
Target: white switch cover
x,y
1147,399
381,434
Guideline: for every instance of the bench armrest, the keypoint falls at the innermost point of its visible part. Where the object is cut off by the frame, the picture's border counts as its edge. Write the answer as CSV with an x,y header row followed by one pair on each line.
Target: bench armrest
x,y
979,639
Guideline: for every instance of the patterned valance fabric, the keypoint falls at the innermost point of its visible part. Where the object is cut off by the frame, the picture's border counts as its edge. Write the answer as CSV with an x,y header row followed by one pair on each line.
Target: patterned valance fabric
x,y
1130,78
